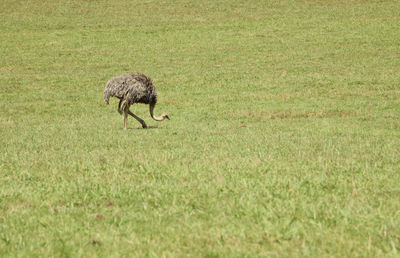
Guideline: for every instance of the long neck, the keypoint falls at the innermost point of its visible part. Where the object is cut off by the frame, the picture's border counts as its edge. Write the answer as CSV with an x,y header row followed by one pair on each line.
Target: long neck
x,y
157,118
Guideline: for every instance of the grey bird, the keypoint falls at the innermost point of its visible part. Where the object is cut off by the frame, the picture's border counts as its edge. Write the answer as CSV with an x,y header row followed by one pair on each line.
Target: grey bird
x,y
130,89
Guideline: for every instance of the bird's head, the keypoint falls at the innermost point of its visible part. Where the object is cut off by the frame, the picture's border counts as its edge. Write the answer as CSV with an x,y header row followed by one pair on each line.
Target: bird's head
x,y
165,115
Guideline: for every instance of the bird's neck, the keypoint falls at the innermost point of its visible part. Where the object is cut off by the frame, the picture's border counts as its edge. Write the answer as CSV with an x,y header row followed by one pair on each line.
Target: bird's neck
x,y
157,118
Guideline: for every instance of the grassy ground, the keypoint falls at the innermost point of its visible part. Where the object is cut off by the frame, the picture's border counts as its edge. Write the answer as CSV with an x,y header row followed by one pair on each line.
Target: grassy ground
x,y
284,137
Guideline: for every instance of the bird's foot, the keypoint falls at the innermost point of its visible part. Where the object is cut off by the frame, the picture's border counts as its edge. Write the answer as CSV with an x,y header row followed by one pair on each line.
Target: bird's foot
x,y
144,126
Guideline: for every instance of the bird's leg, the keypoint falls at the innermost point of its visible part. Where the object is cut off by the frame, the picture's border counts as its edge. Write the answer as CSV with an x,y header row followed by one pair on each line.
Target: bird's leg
x,y
119,106
138,118
125,119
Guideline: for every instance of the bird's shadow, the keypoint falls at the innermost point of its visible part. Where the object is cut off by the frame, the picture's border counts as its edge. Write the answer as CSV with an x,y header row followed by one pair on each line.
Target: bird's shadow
x,y
140,128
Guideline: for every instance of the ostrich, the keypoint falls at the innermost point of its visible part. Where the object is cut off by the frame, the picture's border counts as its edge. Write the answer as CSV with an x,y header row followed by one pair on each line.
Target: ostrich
x,y
133,88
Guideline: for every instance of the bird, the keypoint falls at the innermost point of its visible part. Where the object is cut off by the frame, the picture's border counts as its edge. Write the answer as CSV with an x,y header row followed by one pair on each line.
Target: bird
x,y
130,89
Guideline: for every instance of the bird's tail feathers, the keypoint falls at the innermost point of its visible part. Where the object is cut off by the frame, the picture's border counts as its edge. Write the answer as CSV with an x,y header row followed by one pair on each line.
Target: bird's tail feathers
x,y
106,98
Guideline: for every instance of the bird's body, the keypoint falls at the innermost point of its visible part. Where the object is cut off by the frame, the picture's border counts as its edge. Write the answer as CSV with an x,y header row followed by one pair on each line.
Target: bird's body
x,y
130,89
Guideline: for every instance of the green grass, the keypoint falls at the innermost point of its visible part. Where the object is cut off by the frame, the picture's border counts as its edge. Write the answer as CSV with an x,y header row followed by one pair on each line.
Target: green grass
x,y
284,138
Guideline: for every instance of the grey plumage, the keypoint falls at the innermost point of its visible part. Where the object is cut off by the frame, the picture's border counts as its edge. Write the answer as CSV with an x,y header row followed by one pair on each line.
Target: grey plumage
x,y
130,89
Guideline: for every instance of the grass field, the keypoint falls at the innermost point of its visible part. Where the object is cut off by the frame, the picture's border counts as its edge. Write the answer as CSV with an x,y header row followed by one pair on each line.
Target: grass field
x,y
284,138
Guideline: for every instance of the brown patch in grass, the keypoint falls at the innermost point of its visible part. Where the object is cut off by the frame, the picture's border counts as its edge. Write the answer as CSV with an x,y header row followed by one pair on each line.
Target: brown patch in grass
x,y
108,204
95,242
53,208
99,217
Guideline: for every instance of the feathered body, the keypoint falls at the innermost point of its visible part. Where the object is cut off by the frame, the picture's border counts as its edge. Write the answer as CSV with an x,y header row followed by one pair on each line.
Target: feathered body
x,y
130,89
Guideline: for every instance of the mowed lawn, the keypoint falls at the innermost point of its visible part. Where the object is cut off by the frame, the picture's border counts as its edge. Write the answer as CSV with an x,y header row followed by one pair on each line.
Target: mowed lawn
x,y
284,138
